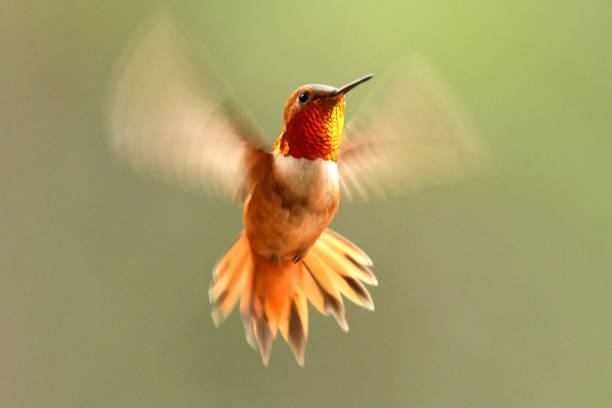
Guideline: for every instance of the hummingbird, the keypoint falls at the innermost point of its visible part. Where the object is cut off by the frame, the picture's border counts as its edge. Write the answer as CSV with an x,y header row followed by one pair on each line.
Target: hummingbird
x,y
169,118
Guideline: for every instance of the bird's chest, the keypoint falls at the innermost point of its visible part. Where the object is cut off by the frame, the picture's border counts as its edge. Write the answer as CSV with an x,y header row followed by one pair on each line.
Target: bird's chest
x,y
289,211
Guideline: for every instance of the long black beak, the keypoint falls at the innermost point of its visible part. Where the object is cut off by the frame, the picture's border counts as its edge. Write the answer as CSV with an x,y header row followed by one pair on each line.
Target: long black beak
x,y
353,84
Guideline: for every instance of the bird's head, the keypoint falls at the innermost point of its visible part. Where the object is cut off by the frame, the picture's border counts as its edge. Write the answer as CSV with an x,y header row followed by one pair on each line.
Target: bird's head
x,y
314,120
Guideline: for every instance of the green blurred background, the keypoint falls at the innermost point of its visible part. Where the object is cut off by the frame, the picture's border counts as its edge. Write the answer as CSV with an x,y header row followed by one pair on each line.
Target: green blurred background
x,y
494,292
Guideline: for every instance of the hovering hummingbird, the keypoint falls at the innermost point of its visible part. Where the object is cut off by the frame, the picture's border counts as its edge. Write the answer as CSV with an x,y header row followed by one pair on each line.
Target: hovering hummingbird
x,y
170,119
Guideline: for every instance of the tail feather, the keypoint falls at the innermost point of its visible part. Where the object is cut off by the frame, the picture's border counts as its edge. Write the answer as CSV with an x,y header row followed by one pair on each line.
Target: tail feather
x,y
275,296
313,291
229,278
264,337
246,309
331,303
294,325
343,245
343,273
348,251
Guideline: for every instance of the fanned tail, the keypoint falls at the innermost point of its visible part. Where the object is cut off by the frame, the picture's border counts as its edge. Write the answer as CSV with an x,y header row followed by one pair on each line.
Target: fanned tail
x,y
334,266
274,295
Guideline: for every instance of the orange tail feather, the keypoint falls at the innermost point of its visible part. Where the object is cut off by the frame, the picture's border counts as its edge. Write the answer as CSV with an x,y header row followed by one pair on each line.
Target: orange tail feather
x,y
274,296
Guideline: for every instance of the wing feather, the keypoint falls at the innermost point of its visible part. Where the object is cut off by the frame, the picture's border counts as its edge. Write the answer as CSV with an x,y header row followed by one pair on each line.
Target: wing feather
x,y
177,121
410,132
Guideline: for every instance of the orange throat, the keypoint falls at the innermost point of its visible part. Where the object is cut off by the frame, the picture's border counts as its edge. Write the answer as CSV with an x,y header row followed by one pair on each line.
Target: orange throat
x,y
314,132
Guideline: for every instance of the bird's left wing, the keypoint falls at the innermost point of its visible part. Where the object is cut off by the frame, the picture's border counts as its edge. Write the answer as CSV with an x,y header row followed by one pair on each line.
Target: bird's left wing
x,y
176,121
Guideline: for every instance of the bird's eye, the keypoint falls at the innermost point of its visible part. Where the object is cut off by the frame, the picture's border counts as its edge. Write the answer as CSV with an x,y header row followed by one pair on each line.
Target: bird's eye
x,y
303,97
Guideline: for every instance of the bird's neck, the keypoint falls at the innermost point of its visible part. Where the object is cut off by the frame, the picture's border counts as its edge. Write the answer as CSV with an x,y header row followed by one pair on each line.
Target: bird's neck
x,y
313,133
314,180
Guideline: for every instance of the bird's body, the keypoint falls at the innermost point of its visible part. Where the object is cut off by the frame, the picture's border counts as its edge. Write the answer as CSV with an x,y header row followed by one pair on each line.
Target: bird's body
x,y
291,206
296,189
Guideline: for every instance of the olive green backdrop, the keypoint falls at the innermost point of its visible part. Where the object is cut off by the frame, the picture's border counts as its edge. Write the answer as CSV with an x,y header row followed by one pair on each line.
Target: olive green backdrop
x,y
494,292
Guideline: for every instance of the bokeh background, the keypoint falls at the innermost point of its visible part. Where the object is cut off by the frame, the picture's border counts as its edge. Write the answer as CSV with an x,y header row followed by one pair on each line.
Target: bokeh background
x,y
494,291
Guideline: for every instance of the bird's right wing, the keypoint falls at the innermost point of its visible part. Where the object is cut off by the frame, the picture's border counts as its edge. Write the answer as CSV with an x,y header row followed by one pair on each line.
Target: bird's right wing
x,y
411,132
176,121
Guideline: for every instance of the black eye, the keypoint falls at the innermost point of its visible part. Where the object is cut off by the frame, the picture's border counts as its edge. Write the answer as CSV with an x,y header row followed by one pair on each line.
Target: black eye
x,y
303,97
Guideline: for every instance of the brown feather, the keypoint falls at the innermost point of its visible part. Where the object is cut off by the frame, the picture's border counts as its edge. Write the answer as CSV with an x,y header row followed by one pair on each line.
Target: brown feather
x,y
331,304
344,274
264,338
341,264
343,245
312,291
320,271
297,334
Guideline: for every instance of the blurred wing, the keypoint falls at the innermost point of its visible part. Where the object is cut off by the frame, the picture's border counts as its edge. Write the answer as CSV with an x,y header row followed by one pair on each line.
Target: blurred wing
x,y
411,132
175,121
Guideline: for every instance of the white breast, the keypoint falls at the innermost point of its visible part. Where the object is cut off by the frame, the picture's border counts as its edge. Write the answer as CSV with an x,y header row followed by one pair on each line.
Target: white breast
x,y
305,177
